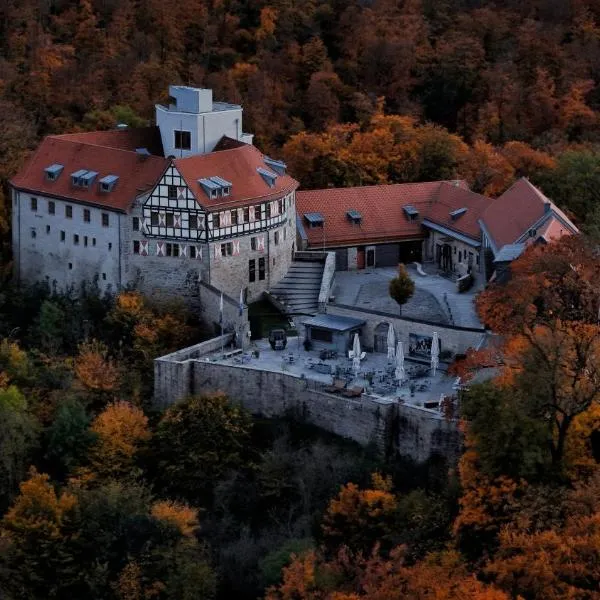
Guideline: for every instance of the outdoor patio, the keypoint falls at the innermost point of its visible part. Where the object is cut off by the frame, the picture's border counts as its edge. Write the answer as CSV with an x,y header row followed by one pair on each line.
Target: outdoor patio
x,y
336,373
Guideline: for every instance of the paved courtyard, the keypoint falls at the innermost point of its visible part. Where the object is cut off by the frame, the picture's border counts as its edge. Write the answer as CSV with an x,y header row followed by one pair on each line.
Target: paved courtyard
x,y
375,376
435,298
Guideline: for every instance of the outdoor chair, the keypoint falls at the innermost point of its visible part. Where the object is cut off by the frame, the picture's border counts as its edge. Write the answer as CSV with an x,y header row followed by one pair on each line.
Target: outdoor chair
x,y
354,392
337,386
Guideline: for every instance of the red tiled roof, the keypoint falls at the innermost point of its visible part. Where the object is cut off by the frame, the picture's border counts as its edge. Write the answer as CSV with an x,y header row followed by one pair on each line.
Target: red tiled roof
x,y
513,213
552,229
380,206
137,174
121,139
238,166
451,198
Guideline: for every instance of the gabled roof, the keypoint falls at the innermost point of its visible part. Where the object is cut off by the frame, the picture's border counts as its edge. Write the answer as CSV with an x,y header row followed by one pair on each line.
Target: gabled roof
x,y
386,211
446,210
237,165
121,139
522,207
381,207
137,174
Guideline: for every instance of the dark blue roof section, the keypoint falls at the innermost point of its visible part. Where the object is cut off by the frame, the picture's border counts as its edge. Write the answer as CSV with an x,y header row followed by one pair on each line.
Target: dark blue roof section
x,y
509,252
334,322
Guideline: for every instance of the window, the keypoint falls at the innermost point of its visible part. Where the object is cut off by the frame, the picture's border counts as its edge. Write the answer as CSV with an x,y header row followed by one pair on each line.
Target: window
x,y
93,241
76,239
33,203
268,210
252,270
284,233
33,233
276,237
104,276
154,218
110,245
477,259
86,215
321,335
69,212
246,212
281,206
252,243
169,219
172,192
85,240
273,261
183,140
62,236
227,249
104,219
47,228
192,250
460,256
135,223
70,266
234,217
51,207
454,249
216,221
261,268
193,222
136,247
172,249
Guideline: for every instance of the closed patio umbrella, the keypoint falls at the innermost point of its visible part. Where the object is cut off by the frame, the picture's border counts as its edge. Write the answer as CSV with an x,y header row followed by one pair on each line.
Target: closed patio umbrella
x,y
435,352
391,342
399,372
356,354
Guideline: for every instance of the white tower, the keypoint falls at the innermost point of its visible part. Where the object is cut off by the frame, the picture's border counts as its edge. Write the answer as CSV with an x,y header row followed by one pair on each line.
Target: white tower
x,y
193,123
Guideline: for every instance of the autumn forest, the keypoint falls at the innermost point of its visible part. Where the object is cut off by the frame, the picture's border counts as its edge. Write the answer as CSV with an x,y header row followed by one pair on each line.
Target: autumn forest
x,y
103,497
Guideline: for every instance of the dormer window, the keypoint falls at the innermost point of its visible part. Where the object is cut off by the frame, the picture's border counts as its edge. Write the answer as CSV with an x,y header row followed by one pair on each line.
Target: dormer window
x,y
268,176
354,217
412,214
215,186
76,177
87,180
277,165
108,183
314,219
53,171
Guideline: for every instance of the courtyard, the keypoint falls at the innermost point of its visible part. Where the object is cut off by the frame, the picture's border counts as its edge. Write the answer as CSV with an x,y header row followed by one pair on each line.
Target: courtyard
x,y
435,299
335,373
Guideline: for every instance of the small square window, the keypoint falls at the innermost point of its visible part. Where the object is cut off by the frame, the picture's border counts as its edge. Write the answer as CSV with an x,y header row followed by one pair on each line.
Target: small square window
x,y
136,247
62,236
93,241
193,222
154,218
75,239
135,223
169,219
104,276
175,249
69,212
86,215
51,207
192,251
104,219
183,140
33,203
33,233
253,243
216,221
227,249
70,266
172,192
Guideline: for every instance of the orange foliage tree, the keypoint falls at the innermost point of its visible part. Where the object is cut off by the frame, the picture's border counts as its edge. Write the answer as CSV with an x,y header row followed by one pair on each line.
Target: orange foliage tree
x,y
94,369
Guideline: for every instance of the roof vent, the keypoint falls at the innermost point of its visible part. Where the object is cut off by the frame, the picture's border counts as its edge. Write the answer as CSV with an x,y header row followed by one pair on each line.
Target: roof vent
x,y
53,171
108,183
268,176
277,165
456,214
410,211
314,219
354,216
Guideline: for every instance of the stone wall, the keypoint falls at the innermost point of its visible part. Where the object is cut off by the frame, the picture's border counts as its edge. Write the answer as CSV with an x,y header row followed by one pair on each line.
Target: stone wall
x,y
410,431
453,338
210,298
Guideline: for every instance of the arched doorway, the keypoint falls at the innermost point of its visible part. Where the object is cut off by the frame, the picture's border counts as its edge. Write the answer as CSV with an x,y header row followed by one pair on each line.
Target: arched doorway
x,y
380,338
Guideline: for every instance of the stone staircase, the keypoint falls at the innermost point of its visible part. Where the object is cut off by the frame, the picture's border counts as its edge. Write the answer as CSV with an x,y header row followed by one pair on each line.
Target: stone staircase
x,y
298,291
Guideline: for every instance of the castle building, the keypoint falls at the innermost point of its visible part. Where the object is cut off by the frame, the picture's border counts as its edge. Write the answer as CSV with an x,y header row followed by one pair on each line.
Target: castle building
x,y
161,208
